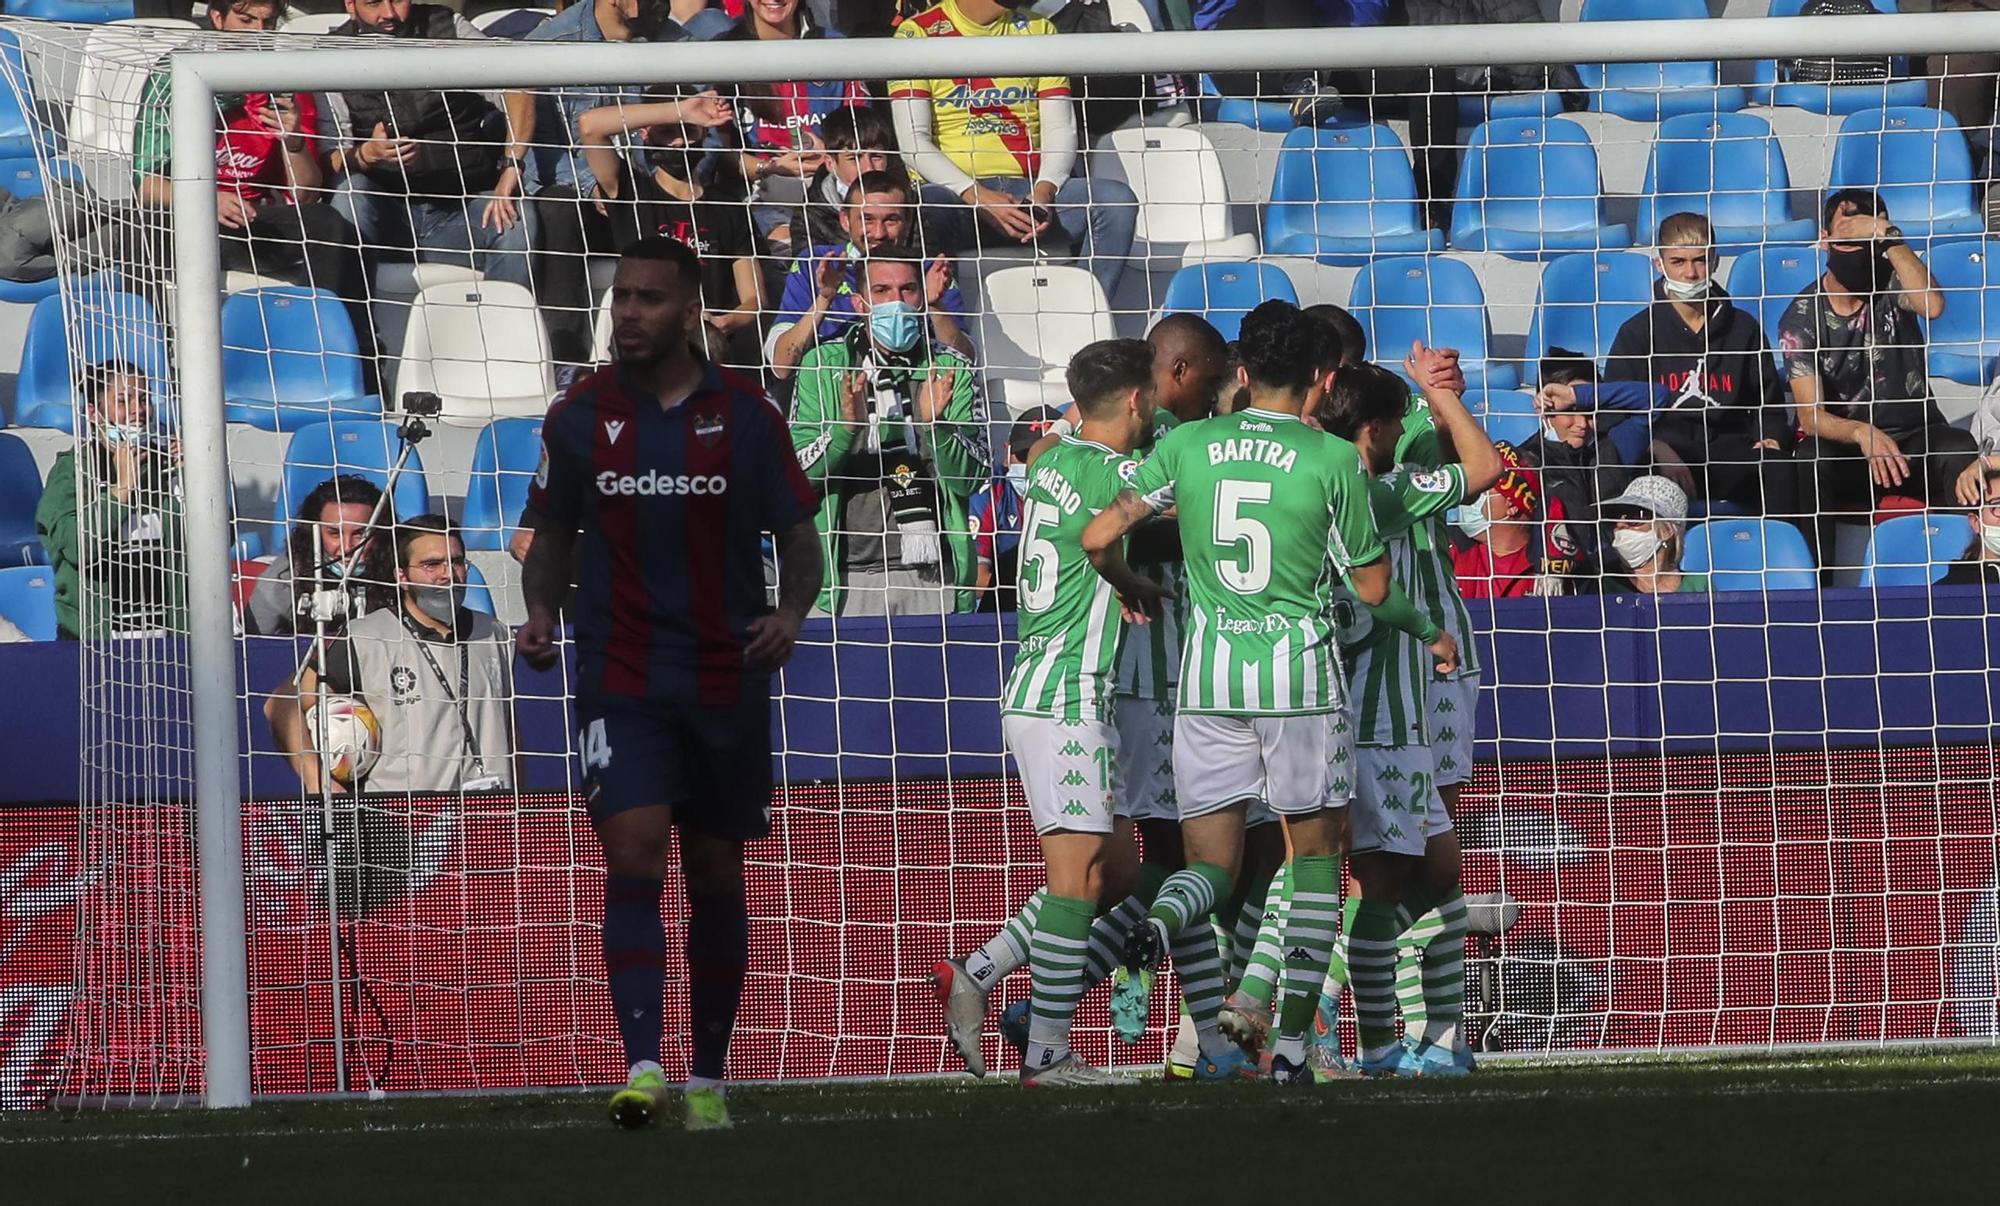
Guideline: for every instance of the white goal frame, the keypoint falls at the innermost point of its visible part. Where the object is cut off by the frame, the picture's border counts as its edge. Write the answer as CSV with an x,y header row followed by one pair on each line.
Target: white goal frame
x,y
198,76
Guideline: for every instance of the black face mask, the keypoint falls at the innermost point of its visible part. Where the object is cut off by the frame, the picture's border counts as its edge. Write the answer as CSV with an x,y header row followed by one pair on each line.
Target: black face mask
x,y
1861,270
677,161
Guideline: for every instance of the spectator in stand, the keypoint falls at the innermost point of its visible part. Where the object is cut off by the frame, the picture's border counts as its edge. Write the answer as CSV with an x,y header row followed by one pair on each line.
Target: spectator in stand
x,y
858,141
698,20
1000,153
818,299
267,175
1500,558
1979,564
517,25
439,172
996,513
1580,466
667,184
113,503
783,143
330,549
1720,404
1854,350
1645,540
438,677
890,426
1312,98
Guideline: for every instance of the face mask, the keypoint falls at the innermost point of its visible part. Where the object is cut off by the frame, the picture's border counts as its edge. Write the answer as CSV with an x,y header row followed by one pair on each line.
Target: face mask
x,y
1017,473
1989,535
1635,546
1471,518
1687,291
440,601
1861,271
895,325
337,568
1550,433
678,162
122,433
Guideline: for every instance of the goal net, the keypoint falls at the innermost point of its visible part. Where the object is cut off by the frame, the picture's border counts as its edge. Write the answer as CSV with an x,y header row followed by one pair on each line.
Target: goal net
x,y
1733,786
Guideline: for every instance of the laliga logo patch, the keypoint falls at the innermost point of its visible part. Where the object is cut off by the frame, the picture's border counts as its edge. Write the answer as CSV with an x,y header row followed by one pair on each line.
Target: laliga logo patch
x,y
1128,470
402,685
1431,482
709,428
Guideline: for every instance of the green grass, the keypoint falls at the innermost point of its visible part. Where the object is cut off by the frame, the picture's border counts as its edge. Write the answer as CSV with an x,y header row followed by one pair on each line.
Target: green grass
x,y
1875,1128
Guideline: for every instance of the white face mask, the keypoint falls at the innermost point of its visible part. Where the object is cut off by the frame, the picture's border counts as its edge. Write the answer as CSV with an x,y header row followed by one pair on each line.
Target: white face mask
x,y
1550,433
1636,546
1989,535
122,433
1472,519
1017,473
1686,291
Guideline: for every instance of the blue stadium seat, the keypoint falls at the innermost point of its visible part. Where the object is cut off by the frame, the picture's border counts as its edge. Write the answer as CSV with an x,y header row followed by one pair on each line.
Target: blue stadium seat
x,y
503,463
289,357
1529,190
1965,339
1584,299
20,494
363,447
1433,298
1729,168
1654,91
1344,195
1764,281
28,597
81,12
1477,108
1840,99
17,131
1914,550
478,596
1268,116
106,325
1917,159
1508,415
1225,290
1750,554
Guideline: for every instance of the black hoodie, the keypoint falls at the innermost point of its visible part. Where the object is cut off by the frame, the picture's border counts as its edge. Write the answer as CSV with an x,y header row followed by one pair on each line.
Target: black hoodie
x,y
1724,386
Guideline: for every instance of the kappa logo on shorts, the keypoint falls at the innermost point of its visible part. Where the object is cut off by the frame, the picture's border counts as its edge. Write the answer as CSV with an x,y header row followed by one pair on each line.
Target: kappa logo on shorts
x,y
1447,763
1075,808
1447,734
1390,774
1164,737
1072,750
1340,755
1166,768
402,685
1167,798
1394,831
1073,779
1164,708
1447,704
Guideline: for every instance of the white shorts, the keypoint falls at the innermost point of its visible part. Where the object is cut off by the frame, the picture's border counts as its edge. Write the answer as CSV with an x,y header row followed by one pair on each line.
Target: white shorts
x,y
1454,711
1065,770
1293,765
1395,800
1145,786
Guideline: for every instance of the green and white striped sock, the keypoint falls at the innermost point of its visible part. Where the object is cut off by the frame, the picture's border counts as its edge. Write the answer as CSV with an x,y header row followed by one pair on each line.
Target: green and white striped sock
x,y
1371,967
1198,966
1007,949
1107,939
1410,945
1055,968
1267,958
1336,970
1444,977
1309,939
1189,896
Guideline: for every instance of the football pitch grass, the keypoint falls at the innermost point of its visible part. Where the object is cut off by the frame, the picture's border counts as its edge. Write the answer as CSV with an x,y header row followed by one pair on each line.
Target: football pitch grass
x,y
1813,1128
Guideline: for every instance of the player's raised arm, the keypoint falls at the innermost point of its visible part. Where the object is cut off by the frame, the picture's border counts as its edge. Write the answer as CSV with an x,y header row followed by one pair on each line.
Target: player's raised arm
x,y
1431,368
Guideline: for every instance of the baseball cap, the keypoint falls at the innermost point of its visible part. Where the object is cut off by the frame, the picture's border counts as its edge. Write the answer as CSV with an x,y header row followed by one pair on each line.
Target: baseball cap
x,y
1030,427
1653,494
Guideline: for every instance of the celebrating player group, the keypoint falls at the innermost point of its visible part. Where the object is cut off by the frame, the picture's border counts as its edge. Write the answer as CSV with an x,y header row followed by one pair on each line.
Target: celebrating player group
x,y
1240,635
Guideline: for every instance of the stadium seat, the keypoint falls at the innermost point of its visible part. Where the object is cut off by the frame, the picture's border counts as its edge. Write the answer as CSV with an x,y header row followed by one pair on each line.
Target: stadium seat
x,y
503,463
79,12
481,347
1654,91
111,78
20,494
362,447
1225,291
23,178
1835,99
1344,195
1036,317
1965,339
289,358
1914,550
1478,108
1433,298
1530,189
1750,554
17,100
28,597
1916,158
1729,168
1183,200
103,325
478,596
1584,299
1508,415
1765,280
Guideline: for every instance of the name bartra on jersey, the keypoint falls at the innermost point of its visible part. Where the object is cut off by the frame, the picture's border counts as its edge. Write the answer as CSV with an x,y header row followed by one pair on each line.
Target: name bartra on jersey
x,y
1264,452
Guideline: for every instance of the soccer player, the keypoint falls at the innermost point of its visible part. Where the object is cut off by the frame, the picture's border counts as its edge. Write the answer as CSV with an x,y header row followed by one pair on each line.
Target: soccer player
x,y
1270,511
671,470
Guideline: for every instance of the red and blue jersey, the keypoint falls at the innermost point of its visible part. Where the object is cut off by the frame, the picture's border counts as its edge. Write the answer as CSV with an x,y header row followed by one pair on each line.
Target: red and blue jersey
x,y
672,505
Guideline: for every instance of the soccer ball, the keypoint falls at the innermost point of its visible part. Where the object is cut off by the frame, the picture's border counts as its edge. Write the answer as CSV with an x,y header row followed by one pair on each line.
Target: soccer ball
x,y
352,738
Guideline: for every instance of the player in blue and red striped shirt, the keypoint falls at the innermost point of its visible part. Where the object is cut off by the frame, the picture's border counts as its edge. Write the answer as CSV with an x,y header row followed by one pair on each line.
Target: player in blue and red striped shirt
x,y
659,476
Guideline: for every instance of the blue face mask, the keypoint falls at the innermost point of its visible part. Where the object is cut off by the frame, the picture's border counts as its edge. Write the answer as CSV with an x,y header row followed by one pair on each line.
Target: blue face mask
x,y
1471,518
895,325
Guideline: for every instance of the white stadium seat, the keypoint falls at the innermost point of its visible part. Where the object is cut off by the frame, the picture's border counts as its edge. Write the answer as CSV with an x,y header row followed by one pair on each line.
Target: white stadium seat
x,y
116,61
1183,202
1036,317
481,347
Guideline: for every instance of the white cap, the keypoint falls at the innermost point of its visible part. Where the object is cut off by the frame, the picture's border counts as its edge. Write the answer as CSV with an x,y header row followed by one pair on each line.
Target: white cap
x,y
1656,495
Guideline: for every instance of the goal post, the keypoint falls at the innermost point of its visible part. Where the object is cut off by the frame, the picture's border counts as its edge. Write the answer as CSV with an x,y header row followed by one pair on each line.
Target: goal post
x,y
856,775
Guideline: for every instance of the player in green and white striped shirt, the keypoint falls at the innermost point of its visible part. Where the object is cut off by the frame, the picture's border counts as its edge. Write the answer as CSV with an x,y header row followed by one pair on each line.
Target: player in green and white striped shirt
x,y
1271,514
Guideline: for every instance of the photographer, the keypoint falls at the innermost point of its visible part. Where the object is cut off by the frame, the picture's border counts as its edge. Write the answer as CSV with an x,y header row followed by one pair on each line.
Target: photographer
x,y
123,517
330,548
890,426
438,677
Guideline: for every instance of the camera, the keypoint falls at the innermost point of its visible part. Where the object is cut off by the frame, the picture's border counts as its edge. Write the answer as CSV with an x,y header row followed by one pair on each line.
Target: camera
x,y
423,404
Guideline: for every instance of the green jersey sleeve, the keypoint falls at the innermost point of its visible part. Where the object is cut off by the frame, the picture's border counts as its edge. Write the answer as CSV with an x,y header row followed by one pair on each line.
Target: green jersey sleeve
x,y
1153,480
1354,537
1419,445
1405,498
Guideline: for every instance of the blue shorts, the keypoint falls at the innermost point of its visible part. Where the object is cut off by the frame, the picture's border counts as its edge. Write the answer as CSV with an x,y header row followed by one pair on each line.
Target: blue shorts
x,y
710,765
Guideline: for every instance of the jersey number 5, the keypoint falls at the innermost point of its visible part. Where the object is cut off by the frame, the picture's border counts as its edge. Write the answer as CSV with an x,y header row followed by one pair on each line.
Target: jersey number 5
x,y
1037,590
1250,571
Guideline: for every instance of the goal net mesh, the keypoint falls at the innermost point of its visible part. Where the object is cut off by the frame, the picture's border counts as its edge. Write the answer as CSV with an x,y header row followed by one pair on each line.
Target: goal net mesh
x,y
1754,815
